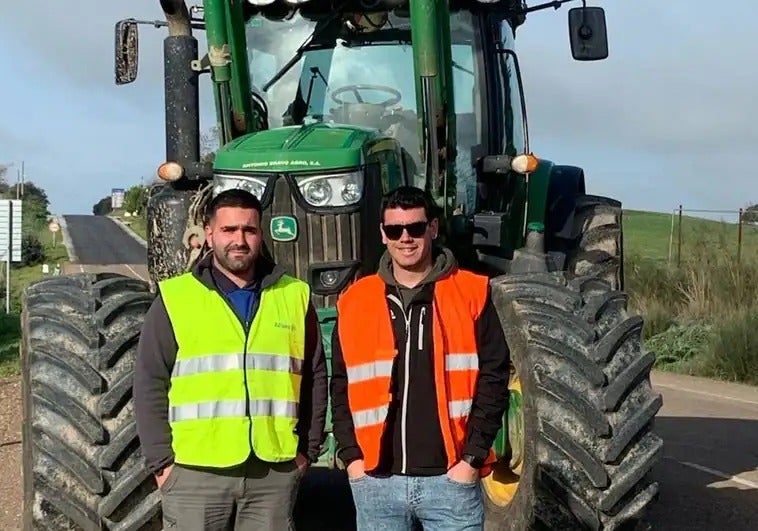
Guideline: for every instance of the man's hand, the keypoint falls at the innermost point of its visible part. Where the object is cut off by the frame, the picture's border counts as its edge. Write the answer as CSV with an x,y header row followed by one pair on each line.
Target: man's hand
x,y
462,472
302,462
160,479
356,469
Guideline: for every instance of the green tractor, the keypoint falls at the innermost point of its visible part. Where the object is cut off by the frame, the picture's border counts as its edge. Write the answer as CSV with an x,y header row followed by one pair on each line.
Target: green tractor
x,y
322,106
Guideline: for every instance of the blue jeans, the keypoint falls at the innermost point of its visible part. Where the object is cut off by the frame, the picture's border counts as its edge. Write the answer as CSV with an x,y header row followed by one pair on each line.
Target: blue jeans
x,y
437,502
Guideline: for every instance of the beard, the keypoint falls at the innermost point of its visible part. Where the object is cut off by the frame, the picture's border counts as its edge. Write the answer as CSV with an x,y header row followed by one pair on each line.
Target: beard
x,y
235,264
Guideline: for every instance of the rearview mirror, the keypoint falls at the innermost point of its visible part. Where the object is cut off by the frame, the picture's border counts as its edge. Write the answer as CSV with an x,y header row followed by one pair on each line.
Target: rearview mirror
x,y
588,34
127,51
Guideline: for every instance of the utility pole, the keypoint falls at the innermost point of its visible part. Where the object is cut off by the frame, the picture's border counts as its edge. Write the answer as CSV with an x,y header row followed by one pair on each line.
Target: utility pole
x,y
20,181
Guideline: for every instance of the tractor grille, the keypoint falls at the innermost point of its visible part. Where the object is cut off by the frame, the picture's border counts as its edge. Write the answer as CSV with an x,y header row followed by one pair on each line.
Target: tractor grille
x,y
321,237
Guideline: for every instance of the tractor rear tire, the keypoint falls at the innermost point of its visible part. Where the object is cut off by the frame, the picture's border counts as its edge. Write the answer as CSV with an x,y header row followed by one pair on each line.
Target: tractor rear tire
x,y
82,463
587,406
597,245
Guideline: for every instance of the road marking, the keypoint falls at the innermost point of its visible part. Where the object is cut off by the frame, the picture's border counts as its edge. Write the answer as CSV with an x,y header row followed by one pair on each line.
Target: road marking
x,y
81,268
130,268
704,393
717,473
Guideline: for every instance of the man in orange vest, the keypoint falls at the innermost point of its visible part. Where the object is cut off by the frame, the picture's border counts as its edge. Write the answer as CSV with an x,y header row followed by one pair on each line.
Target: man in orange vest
x,y
419,379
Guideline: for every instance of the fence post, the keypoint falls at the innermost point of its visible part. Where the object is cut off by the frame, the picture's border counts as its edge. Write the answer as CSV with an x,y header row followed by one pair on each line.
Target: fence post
x,y
679,248
671,237
739,237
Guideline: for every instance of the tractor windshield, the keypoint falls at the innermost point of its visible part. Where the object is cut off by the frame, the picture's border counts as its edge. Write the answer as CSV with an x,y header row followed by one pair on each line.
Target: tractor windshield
x,y
358,73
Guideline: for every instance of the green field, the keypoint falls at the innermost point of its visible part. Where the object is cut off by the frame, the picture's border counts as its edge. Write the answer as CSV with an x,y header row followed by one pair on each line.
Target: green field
x,y
647,235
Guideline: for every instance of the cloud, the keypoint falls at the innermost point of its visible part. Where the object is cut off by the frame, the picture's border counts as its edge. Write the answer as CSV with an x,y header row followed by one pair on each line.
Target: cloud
x,y
675,91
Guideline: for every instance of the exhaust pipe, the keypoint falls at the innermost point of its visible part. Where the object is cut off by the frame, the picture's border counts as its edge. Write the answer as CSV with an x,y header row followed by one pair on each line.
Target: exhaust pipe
x,y
168,210
182,98
177,16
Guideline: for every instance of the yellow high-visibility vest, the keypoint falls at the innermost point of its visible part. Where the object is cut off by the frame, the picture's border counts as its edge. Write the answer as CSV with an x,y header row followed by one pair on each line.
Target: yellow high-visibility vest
x,y
228,392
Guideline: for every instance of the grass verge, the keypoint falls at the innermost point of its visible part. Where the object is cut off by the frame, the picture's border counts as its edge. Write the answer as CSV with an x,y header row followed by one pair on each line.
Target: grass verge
x,y
137,223
21,277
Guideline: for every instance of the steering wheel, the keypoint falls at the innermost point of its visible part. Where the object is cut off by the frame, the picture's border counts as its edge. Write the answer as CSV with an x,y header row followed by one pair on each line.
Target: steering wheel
x,y
396,95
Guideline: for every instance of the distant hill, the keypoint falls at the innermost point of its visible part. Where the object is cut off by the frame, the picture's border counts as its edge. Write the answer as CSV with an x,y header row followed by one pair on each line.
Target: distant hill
x,y
647,235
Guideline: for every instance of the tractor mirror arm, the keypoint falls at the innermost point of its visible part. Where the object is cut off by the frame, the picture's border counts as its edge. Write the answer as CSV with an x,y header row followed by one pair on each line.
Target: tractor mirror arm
x,y
555,4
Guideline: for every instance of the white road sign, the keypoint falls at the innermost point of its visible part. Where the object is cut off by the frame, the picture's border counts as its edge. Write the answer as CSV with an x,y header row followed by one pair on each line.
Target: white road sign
x,y
10,229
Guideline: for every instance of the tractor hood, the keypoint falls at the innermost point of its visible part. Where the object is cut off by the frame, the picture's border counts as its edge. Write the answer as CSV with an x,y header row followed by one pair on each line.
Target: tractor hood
x,y
298,148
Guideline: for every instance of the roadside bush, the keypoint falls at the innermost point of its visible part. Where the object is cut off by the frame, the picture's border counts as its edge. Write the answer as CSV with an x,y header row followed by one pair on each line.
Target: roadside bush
x,y
32,250
678,346
733,351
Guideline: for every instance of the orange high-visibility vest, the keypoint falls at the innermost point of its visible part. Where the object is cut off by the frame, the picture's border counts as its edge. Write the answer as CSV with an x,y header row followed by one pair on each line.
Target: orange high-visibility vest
x,y
368,346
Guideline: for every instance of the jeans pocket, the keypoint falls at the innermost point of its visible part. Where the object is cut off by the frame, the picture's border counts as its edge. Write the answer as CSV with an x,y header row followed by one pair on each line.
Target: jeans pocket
x,y
358,480
461,484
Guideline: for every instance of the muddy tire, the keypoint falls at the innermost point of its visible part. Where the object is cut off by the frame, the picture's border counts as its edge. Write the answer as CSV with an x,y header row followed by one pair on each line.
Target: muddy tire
x,y
82,464
597,246
588,406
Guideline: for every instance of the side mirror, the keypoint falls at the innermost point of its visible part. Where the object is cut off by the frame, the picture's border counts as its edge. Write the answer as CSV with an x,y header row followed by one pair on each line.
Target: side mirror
x,y
127,51
588,34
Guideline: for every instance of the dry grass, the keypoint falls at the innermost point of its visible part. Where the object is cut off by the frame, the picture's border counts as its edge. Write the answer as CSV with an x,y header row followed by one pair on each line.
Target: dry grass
x,y
701,317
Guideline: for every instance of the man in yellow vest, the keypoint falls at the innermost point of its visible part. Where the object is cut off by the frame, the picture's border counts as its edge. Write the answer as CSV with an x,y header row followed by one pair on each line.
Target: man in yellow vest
x,y
230,385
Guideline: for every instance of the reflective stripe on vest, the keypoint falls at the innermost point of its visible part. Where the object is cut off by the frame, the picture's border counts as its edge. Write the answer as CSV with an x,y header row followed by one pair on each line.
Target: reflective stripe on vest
x,y
369,353
228,393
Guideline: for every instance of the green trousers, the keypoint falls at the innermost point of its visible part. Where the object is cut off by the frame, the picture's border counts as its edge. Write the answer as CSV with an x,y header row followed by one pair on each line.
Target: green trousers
x,y
256,496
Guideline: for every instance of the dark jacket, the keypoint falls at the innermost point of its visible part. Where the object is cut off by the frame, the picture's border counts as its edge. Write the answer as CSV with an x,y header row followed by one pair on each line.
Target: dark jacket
x,y
422,451
156,355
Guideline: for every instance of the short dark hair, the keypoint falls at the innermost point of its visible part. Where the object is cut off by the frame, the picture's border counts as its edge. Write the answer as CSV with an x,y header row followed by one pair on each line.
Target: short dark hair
x,y
234,197
408,197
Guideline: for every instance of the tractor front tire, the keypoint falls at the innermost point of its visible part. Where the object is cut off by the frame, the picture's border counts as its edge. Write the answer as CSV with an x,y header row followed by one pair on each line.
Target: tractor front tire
x,y
597,244
82,464
587,407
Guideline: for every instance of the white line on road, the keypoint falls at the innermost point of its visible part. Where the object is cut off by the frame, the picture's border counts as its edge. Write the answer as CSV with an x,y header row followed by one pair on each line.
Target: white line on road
x,y
130,268
705,393
717,473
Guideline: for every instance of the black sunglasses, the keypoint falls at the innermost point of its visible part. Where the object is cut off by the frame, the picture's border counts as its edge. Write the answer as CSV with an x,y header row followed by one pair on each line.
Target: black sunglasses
x,y
415,230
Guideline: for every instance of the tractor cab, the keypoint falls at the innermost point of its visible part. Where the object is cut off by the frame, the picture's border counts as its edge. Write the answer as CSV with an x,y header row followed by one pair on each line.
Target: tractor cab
x,y
358,69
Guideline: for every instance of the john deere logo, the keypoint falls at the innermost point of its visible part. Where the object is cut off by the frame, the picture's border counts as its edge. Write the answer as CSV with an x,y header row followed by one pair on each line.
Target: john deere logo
x,y
283,228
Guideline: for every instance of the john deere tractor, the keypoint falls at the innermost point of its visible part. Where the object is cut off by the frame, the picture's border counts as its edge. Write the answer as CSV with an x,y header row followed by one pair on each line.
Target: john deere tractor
x,y
322,106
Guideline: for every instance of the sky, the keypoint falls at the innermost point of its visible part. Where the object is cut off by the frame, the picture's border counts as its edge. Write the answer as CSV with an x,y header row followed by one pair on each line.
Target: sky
x,y
668,119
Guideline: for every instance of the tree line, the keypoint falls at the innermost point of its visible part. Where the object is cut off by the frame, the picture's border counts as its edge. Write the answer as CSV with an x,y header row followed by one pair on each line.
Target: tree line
x,y
35,216
135,202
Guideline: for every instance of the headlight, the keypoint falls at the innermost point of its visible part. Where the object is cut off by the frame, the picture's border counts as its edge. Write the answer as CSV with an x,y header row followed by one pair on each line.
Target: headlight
x,y
333,190
254,185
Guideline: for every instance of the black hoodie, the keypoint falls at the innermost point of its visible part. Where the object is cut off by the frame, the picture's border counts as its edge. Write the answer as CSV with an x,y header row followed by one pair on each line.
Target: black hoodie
x,y
156,354
412,442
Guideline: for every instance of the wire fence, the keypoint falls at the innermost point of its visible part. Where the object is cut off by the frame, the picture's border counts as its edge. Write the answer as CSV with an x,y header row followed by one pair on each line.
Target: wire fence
x,y
704,237
686,232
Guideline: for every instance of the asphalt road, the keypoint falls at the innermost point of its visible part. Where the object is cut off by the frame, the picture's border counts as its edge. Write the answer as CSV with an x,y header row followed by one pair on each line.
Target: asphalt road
x,y
99,240
99,244
709,474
